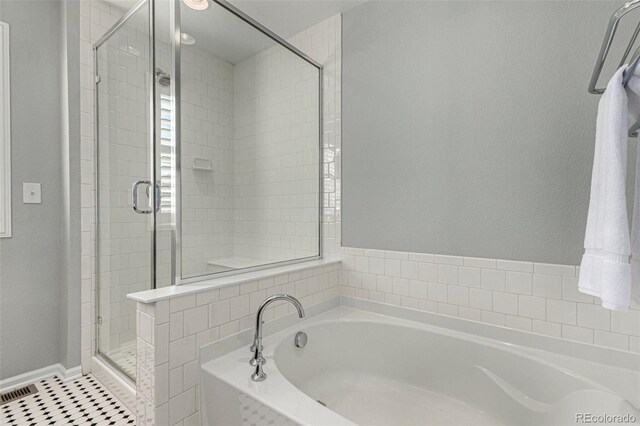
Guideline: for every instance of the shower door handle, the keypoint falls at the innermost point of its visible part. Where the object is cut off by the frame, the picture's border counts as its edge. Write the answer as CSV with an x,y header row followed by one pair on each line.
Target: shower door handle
x,y
134,196
158,194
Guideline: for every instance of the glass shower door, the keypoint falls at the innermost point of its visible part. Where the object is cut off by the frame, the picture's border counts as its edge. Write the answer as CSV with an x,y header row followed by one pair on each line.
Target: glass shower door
x,y
125,193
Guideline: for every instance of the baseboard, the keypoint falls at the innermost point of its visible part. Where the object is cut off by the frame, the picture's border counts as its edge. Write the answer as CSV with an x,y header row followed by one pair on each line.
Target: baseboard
x,y
37,375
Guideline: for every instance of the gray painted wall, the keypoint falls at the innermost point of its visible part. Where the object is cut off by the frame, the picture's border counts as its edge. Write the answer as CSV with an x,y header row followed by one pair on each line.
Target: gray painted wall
x,y
32,294
468,129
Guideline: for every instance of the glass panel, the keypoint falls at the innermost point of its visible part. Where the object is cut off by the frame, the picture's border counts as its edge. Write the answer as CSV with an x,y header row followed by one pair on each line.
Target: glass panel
x,y
124,157
165,149
250,148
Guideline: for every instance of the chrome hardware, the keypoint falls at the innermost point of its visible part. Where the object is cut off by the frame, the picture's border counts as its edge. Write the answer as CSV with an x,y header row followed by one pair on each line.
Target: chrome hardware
x,y
301,339
134,196
633,62
253,346
258,360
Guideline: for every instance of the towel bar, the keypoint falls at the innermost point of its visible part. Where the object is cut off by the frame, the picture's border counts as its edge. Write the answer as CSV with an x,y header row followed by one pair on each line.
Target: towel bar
x,y
606,46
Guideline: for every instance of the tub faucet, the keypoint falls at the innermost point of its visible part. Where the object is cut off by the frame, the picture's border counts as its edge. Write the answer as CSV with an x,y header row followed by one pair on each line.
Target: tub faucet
x,y
258,360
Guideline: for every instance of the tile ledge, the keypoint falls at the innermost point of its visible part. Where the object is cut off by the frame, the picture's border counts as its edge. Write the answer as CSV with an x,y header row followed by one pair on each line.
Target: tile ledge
x,y
151,296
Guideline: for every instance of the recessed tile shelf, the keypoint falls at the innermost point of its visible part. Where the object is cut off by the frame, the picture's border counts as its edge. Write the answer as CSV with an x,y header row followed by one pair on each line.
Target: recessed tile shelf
x,y
202,164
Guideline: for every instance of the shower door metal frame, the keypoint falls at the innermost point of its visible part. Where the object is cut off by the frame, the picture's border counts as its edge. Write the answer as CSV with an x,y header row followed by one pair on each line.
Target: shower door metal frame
x,y
152,151
176,240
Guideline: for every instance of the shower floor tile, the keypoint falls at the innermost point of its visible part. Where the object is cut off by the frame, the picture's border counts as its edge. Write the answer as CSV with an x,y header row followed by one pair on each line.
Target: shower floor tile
x,y
83,401
125,358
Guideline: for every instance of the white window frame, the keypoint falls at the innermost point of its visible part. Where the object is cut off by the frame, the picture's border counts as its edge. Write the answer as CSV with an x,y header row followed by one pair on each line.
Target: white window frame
x,y
5,134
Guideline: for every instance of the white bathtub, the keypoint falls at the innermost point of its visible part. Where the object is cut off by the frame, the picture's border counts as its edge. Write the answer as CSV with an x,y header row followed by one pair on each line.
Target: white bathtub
x,y
372,369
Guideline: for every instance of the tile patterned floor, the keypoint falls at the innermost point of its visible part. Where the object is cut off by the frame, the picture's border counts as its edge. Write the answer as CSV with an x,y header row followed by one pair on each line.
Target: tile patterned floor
x,y
83,401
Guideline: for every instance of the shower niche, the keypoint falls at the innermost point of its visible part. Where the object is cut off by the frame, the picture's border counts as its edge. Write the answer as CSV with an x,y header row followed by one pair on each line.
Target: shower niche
x,y
208,156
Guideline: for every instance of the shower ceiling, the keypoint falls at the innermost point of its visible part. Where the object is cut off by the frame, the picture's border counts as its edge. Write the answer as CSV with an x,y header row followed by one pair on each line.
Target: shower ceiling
x,y
288,17
284,17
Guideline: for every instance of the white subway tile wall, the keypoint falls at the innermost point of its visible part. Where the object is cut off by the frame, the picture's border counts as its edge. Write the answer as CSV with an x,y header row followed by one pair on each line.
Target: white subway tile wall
x,y
171,331
276,156
535,297
207,132
323,43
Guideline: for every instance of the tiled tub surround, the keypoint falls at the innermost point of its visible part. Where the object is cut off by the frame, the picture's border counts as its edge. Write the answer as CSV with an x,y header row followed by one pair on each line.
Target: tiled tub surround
x,y
535,297
171,331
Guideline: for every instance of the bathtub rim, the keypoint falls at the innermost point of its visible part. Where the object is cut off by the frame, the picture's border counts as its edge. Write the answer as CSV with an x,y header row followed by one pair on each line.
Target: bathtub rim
x,y
602,355
558,351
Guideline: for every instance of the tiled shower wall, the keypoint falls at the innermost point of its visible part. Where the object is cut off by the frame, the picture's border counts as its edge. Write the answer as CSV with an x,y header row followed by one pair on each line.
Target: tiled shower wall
x,y
537,297
276,156
323,43
256,122
207,133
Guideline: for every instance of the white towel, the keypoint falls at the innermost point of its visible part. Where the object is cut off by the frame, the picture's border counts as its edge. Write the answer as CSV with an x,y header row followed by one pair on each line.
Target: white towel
x,y
605,270
635,233
633,93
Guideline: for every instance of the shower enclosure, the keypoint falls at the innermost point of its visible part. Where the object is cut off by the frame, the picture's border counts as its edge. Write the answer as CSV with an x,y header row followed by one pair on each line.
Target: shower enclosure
x,y
208,156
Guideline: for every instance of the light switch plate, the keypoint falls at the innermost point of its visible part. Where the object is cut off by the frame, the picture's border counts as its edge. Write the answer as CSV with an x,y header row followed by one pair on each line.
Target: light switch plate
x,y
31,193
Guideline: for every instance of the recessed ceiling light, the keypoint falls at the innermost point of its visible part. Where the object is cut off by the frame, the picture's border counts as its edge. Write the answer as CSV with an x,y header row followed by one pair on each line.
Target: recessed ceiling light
x,y
197,4
187,39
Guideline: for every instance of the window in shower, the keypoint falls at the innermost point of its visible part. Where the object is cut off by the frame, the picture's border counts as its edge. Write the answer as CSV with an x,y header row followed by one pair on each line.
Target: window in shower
x,y
167,155
250,147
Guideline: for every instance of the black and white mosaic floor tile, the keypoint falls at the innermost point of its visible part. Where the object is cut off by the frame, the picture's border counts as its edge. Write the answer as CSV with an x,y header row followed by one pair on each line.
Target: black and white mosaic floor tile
x,y
83,401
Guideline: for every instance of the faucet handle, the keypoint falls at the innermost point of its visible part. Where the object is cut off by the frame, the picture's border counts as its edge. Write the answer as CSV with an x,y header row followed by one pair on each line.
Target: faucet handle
x,y
257,358
254,345
257,361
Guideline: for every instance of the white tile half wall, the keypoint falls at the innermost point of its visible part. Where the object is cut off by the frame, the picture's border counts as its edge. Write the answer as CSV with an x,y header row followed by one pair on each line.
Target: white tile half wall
x,y
170,333
536,297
